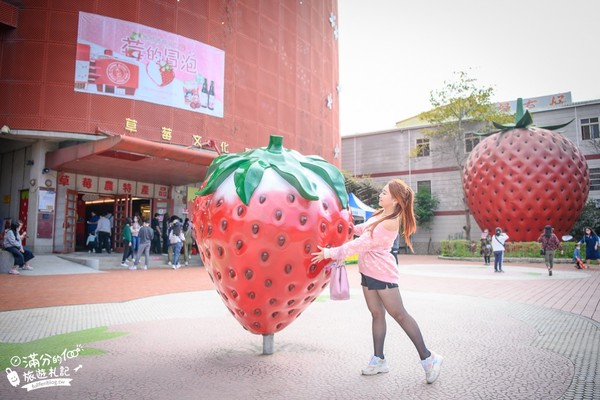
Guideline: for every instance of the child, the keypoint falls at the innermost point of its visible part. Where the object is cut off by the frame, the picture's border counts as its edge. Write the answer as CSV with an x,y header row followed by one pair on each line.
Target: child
x,y
577,257
91,242
487,252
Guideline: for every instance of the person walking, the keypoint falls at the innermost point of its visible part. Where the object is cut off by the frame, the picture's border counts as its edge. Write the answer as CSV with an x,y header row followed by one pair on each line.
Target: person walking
x,y
156,240
111,220
146,235
188,230
550,244
176,239
166,224
591,245
396,248
103,234
127,242
498,241
135,229
380,275
92,223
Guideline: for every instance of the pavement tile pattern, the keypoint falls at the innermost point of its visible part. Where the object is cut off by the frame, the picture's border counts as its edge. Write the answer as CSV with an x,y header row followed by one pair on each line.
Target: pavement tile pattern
x,y
518,335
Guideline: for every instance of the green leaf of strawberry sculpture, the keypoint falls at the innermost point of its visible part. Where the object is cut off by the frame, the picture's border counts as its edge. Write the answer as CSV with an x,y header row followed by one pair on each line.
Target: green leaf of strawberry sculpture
x,y
523,178
258,217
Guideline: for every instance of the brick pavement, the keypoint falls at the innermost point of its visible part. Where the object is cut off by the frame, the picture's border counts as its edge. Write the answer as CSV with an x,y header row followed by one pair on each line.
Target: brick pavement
x,y
518,335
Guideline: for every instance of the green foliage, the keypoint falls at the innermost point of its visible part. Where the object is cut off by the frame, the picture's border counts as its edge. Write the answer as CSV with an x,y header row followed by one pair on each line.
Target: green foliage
x,y
458,108
425,205
56,345
458,102
590,216
364,188
463,248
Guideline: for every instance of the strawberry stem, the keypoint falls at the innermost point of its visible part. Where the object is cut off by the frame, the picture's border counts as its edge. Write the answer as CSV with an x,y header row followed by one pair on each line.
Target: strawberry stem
x,y
275,144
523,120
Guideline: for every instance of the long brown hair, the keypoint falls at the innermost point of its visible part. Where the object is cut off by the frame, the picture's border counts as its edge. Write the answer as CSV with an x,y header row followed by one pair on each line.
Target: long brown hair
x,y
405,201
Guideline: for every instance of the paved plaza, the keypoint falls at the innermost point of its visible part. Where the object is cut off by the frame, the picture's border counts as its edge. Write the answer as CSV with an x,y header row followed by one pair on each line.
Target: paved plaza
x,y
517,335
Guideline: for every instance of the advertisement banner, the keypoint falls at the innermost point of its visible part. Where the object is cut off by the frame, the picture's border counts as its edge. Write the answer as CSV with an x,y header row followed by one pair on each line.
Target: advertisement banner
x,y
129,60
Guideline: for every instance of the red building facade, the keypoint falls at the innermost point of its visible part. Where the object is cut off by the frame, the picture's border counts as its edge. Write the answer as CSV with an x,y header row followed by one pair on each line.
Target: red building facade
x,y
280,77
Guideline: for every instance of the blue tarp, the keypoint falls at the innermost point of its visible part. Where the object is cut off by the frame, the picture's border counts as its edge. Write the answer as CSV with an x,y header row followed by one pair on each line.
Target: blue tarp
x,y
358,208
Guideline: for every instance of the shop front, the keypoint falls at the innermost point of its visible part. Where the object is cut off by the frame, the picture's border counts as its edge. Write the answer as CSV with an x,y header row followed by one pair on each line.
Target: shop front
x,y
80,195
119,177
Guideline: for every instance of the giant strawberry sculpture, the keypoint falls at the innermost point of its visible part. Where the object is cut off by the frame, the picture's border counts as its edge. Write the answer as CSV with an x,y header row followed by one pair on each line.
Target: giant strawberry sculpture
x,y
258,217
523,178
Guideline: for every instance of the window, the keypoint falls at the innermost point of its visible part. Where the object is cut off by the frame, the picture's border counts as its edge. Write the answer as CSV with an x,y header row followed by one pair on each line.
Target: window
x,y
471,140
424,185
590,129
594,178
422,147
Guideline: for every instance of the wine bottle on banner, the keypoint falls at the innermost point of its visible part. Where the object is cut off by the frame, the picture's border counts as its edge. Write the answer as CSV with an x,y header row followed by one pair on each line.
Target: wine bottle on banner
x,y
211,96
204,95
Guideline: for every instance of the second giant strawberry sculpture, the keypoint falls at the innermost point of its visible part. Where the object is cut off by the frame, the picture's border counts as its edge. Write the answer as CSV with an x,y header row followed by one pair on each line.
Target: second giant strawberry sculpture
x,y
258,218
523,178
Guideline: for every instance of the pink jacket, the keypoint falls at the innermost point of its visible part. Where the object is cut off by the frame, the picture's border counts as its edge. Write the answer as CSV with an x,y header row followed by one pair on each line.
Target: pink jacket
x,y
374,257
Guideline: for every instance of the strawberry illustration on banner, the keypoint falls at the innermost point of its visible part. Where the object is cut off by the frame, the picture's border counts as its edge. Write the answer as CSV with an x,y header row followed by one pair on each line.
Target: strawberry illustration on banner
x,y
258,217
161,73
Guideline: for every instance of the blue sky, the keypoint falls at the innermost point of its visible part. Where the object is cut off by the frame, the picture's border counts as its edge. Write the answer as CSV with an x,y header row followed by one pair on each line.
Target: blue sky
x,y
393,53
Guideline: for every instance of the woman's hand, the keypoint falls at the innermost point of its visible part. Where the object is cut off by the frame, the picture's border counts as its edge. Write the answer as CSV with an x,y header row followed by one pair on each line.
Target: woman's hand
x,y
319,255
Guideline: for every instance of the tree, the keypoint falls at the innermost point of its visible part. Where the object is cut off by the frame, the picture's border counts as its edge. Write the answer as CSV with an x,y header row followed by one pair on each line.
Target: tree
x,y
458,107
590,216
425,205
364,188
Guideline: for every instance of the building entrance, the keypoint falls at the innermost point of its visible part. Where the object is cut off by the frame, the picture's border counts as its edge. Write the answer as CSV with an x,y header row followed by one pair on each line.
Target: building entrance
x,y
117,207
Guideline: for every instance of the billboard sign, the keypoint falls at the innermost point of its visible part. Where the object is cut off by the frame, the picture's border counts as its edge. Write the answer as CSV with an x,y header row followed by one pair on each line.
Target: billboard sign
x,y
129,60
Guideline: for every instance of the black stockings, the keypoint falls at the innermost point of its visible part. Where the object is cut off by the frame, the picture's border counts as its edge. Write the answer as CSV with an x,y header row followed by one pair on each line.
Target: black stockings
x,y
380,301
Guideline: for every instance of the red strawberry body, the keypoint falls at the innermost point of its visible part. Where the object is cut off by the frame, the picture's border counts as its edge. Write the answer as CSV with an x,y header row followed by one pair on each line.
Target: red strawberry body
x,y
259,254
525,178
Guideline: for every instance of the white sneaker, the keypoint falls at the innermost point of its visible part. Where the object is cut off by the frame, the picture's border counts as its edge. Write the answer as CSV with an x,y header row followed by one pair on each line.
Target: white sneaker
x,y
144,267
177,266
124,264
432,366
173,266
169,263
376,366
132,268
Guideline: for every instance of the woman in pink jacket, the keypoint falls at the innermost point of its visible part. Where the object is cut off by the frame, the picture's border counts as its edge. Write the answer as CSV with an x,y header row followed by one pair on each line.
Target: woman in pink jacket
x,y
380,275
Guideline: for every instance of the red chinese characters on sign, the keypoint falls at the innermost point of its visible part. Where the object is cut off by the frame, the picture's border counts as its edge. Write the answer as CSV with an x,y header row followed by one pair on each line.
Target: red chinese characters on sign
x,y
558,99
64,180
126,188
504,107
530,103
109,185
87,183
162,191
132,46
145,190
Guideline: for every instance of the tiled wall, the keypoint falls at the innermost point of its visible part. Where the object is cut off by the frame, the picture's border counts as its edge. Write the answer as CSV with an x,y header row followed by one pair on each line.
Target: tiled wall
x,y
281,64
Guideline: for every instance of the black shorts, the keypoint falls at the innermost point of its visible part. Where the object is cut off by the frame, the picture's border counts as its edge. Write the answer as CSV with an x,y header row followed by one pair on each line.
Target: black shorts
x,y
374,284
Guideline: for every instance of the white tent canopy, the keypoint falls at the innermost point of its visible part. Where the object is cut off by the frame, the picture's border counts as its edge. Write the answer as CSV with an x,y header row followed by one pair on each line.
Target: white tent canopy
x,y
358,208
